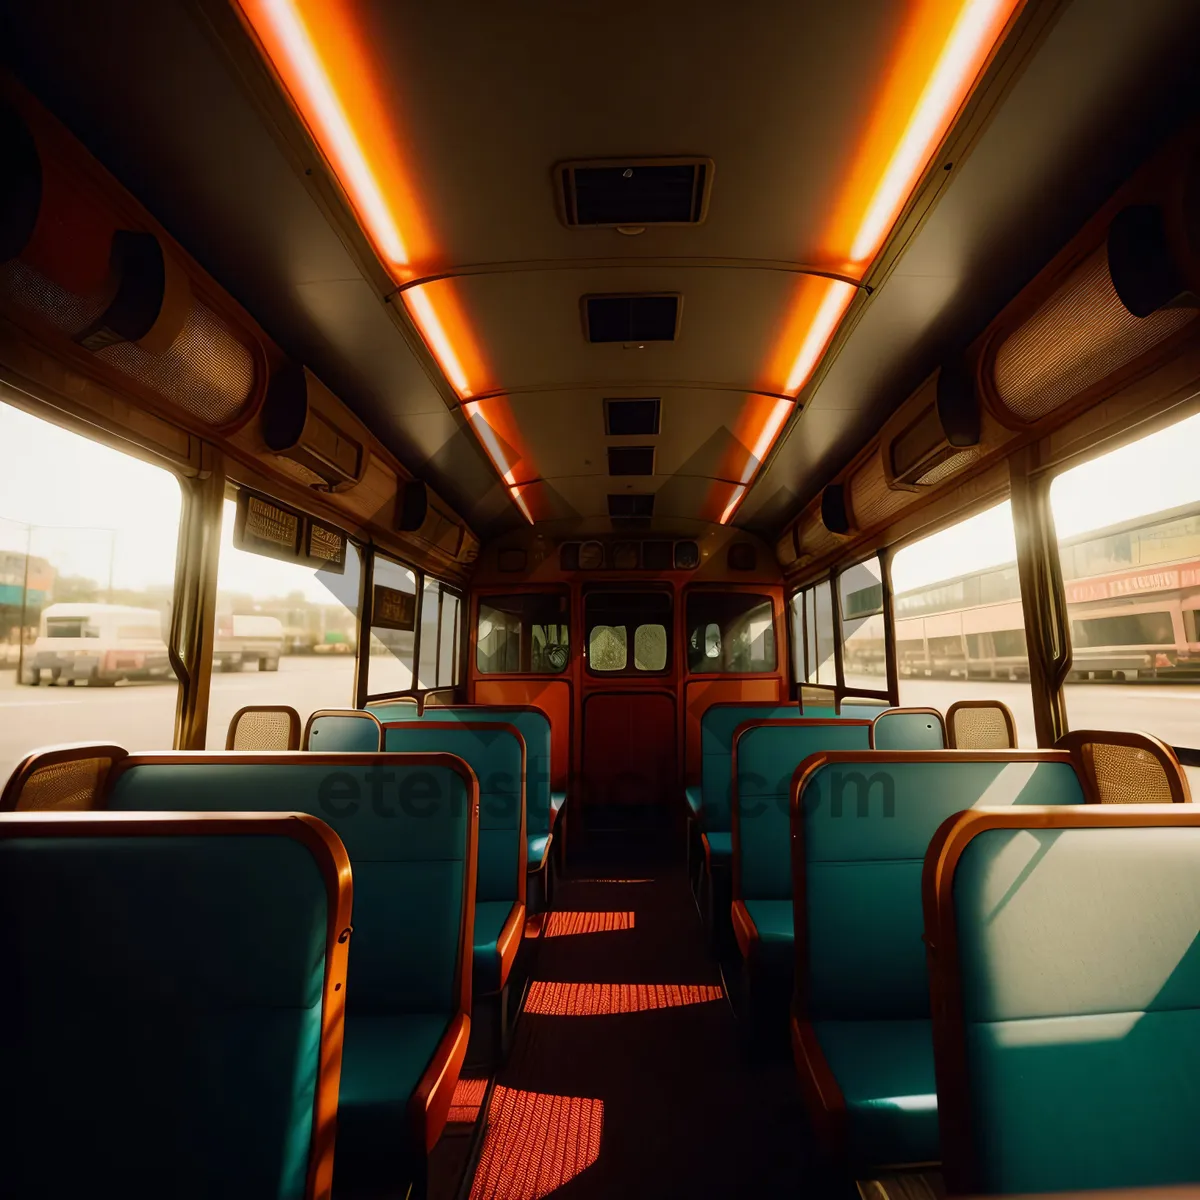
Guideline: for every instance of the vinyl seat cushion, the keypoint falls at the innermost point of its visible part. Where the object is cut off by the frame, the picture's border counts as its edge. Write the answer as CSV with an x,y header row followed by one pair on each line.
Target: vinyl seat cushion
x,y
885,1072
536,852
720,848
695,799
774,951
383,1057
487,969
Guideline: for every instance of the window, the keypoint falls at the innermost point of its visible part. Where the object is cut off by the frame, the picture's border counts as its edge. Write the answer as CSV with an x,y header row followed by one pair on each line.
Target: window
x,y
393,626
449,671
285,633
960,629
860,592
523,633
1128,527
730,632
606,648
617,620
87,576
812,616
439,636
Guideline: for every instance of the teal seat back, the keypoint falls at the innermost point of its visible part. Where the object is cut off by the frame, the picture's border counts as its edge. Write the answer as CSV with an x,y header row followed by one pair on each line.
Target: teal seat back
x,y
531,723
1079,953
765,759
406,827
347,732
495,755
865,828
161,1024
908,729
717,727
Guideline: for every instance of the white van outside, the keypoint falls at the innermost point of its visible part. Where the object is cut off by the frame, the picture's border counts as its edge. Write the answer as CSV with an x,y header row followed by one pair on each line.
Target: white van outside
x,y
100,644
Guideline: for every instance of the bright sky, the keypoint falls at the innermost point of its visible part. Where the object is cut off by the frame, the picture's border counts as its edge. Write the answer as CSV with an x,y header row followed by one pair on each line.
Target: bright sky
x,y
86,501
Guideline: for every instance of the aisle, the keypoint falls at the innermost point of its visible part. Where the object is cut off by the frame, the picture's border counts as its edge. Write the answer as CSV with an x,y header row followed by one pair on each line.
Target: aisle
x,y
625,1078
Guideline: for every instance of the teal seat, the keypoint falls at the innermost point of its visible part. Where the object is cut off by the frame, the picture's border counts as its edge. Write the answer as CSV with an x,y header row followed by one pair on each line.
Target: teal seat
x,y
908,729
720,848
766,757
861,824
542,804
496,753
346,731
383,1063
409,826
162,1031
1072,1062
885,1072
694,797
717,727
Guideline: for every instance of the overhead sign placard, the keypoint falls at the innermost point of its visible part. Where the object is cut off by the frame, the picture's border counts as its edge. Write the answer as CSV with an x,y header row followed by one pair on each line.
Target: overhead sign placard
x,y
264,526
393,609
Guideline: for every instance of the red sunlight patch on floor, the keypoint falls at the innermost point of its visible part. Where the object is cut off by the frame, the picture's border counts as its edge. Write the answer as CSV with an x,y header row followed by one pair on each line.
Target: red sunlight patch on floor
x,y
606,999
565,924
535,1144
467,1100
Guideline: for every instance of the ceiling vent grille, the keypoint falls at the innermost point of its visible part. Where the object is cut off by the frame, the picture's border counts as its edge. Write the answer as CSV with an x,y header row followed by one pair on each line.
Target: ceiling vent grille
x,y
631,460
631,418
631,319
634,193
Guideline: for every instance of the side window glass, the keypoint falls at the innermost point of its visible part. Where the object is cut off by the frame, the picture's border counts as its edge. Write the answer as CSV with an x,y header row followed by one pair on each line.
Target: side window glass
x,y
960,629
285,633
393,628
860,593
87,569
1128,526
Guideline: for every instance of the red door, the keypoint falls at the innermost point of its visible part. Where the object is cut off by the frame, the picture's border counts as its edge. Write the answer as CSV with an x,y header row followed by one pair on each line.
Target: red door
x,y
630,760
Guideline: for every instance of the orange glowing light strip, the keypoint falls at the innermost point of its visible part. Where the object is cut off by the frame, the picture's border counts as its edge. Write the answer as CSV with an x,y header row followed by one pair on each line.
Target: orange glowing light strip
x,y
286,36
327,70
495,451
969,40
425,315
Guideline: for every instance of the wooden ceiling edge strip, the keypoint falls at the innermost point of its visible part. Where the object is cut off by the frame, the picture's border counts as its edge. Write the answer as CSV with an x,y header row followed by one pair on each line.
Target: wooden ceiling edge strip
x,y
639,389
627,262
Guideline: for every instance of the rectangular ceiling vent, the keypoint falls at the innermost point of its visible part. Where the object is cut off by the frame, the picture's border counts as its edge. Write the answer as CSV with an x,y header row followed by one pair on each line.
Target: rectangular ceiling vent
x,y
631,319
631,460
633,193
631,418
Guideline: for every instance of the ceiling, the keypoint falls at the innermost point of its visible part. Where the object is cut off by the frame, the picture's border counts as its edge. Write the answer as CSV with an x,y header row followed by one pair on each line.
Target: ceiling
x,y
480,102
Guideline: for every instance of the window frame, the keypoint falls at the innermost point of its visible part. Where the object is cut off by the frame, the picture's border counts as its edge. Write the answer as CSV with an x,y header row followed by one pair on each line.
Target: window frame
x,y
563,591
1038,483
887,692
762,590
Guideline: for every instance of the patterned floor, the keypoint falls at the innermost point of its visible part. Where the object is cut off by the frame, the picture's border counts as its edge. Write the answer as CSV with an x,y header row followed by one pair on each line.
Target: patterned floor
x,y
626,1078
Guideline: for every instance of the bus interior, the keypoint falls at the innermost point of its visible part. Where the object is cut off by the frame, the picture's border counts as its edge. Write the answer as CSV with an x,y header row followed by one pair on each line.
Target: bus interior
x,y
599,599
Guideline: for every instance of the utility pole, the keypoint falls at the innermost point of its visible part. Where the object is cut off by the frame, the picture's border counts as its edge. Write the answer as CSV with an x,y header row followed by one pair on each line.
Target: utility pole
x,y
24,599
